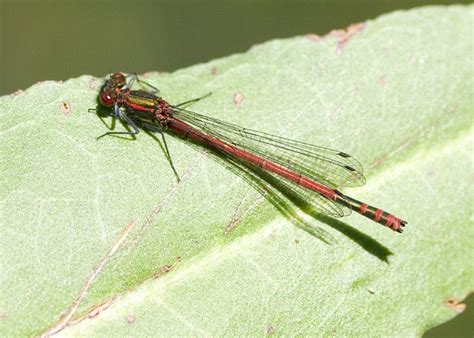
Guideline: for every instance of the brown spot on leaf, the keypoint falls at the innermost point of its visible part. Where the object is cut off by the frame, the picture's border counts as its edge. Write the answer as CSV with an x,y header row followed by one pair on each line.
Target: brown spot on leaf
x,y
66,108
166,268
238,99
313,37
92,83
214,70
269,329
92,313
455,305
344,35
130,319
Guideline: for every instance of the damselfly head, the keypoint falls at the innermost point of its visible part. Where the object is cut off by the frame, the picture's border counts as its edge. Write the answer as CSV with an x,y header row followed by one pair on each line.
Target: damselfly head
x,y
108,92
108,96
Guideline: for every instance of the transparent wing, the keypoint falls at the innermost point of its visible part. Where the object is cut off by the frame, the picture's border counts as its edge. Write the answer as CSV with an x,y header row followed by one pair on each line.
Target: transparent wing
x,y
332,168
317,201
296,193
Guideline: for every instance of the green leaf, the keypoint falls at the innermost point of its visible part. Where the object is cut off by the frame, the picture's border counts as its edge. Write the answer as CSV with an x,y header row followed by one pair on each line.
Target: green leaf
x,y
98,238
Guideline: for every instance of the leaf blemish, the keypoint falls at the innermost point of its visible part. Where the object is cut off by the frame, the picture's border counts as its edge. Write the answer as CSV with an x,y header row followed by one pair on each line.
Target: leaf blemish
x,y
269,329
344,35
130,319
313,37
92,84
455,305
214,70
17,92
166,268
66,108
238,98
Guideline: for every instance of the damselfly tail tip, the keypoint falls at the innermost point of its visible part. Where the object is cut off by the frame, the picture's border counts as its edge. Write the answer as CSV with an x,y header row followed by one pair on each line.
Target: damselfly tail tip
x,y
402,225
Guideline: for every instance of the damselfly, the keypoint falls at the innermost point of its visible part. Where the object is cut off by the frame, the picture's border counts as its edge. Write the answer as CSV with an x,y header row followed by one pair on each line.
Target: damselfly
x,y
311,172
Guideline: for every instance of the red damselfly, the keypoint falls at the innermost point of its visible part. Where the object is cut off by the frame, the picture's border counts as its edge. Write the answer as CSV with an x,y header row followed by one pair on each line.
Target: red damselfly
x,y
314,173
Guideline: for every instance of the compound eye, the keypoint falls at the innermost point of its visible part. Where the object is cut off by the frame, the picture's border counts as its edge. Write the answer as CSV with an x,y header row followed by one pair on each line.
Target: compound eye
x,y
106,99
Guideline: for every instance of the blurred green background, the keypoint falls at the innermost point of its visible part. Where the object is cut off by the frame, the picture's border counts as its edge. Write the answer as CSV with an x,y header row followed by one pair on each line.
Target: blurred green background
x,y
57,40
60,39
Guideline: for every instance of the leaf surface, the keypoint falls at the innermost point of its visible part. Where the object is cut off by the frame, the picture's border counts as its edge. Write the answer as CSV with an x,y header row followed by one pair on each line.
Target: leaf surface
x,y
98,238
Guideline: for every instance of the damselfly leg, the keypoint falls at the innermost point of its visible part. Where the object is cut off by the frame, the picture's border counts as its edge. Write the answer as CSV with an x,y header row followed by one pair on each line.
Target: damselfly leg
x,y
190,102
122,115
